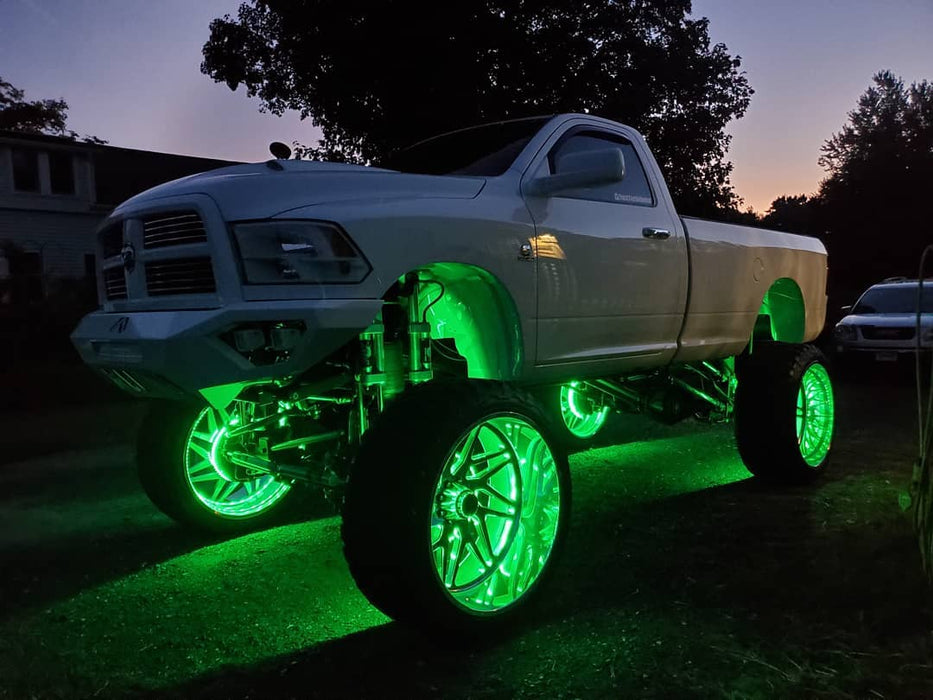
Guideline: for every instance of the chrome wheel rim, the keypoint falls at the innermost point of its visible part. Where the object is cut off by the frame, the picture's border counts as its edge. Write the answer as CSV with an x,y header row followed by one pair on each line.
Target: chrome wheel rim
x,y
495,514
213,482
582,417
815,412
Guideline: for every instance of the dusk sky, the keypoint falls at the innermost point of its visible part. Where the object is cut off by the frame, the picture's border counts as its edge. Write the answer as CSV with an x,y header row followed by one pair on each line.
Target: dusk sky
x,y
129,70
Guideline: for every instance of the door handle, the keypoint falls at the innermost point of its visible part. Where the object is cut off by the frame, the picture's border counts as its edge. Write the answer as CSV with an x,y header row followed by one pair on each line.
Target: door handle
x,y
658,234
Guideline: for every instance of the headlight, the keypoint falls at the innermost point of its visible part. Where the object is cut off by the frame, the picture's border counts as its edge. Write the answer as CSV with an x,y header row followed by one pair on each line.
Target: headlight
x,y
842,332
298,252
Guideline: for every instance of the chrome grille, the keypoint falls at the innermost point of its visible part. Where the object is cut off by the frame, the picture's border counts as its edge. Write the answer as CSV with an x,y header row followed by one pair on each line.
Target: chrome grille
x,y
173,228
181,276
115,283
887,332
111,240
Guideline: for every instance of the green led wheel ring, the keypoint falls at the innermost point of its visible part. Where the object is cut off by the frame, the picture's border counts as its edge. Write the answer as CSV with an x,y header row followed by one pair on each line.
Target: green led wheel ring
x,y
815,415
581,417
495,514
212,481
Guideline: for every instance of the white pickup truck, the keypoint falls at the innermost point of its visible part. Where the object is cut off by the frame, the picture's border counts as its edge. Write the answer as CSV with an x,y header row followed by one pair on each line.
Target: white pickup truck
x,y
425,341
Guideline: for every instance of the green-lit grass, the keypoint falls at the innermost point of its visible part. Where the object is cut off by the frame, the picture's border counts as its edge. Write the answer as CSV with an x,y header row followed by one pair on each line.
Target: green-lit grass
x,y
233,603
274,593
681,578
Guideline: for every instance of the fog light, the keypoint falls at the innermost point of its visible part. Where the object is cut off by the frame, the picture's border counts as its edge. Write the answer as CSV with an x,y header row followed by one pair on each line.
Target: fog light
x,y
285,338
249,339
265,342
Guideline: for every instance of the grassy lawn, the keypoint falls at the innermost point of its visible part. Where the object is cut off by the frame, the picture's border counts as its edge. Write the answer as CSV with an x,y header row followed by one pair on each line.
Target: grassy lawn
x,y
682,577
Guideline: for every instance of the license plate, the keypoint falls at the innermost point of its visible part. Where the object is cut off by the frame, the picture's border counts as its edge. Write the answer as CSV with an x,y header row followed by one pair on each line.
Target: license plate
x,y
886,356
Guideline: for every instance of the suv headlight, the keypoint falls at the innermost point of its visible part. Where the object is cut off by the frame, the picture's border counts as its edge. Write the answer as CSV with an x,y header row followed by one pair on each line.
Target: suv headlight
x,y
298,252
842,332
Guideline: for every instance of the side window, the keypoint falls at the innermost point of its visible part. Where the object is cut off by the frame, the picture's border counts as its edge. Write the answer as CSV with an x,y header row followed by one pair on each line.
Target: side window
x,y
633,189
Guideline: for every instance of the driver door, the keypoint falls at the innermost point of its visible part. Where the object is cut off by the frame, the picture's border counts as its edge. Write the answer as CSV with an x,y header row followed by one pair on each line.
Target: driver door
x,y
611,264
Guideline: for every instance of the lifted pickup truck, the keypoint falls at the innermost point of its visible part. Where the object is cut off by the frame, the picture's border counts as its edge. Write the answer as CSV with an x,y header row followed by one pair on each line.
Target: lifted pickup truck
x,y
425,341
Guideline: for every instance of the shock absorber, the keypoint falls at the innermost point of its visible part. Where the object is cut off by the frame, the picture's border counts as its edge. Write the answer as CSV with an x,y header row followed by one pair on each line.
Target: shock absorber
x,y
371,375
419,337
372,355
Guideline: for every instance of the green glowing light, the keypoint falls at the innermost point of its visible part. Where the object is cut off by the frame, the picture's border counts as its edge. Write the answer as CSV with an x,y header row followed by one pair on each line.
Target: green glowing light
x,y
214,481
138,619
815,410
582,416
784,310
500,491
476,312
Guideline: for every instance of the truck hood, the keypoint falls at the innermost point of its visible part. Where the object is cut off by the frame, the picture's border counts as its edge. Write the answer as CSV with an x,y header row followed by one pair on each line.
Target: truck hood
x,y
261,190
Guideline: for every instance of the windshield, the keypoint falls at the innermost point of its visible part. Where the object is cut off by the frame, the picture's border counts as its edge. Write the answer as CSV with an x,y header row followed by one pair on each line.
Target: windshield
x,y
895,300
484,151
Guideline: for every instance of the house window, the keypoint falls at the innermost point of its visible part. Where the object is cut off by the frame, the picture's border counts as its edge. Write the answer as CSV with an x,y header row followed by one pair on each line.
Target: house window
x,y
25,170
61,172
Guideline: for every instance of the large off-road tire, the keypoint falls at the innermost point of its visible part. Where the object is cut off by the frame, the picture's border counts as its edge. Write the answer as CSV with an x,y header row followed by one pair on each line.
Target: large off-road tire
x,y
181,468
456,506
578,417
784,412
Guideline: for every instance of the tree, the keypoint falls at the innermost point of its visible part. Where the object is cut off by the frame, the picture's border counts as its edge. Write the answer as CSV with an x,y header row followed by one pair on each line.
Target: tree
x,y
379,75
874,203
36,116
793,213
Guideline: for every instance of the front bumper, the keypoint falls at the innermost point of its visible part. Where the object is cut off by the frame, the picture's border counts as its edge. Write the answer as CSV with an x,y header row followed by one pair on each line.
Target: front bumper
x,y
175,354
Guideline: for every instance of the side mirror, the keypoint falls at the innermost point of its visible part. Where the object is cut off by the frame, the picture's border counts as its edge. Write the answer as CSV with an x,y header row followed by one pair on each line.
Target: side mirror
x,y
847,309
581,169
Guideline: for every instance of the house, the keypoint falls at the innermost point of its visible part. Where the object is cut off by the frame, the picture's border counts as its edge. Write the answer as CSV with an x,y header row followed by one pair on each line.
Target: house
x,y
55,192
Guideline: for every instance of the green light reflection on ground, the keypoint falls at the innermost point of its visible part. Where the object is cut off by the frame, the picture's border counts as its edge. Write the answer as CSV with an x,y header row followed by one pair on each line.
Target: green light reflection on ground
x,y
238,602
251,599
661,468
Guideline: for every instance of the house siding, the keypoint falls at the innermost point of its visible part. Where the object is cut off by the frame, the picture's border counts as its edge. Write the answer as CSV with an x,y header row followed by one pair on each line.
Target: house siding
x,y
60,225
62,239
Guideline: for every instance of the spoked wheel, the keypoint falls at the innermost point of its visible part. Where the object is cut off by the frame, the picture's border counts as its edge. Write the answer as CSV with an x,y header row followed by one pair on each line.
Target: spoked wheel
x,y
495,515
224,488
784,412
581,414
456,506
815,414
184,470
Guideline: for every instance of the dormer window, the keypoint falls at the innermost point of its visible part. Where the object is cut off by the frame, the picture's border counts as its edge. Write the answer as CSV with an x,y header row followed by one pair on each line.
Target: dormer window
x,y
46,172
25,170
61,172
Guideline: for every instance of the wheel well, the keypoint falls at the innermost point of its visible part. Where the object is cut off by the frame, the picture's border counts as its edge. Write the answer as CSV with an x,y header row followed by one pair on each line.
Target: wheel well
x,y
782,315
471,306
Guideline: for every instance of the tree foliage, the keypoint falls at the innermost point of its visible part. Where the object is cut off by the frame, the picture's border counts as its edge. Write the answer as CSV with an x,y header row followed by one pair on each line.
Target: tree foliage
x,y
890,130
35,116
872,208
379,75
874,204
792,213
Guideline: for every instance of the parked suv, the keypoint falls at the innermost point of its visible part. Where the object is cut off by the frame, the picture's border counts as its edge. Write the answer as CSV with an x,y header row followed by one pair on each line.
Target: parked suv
x,y
882,326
